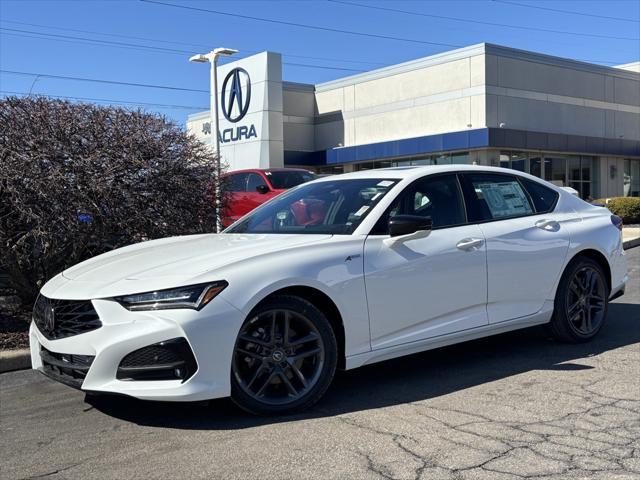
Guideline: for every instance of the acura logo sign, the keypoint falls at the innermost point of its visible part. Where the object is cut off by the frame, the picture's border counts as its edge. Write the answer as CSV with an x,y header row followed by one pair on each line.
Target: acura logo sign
x,y
236,94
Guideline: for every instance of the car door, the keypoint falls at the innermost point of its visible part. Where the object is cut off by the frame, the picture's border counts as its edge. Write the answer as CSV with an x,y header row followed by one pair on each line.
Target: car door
x,y
419,286
526,246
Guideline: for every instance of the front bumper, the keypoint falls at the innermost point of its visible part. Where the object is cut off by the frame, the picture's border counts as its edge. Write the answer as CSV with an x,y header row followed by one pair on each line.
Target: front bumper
x,y
210,332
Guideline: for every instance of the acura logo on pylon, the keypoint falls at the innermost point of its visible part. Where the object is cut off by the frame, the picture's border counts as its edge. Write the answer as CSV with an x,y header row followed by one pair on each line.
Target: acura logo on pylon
x,y
236,94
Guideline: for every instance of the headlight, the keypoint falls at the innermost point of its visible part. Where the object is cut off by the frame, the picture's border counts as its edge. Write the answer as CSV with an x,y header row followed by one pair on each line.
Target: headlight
x,y
193,296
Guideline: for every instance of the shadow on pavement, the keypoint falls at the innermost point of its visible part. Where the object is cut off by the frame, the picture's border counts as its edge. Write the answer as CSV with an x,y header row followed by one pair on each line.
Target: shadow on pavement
x,y
408,379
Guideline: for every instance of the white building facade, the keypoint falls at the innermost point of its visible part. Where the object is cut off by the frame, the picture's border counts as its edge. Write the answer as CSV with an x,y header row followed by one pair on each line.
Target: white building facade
x,y
572,123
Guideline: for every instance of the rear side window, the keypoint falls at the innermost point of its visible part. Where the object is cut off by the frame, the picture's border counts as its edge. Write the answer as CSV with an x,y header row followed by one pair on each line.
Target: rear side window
x,y
282,179
255,181
238,182
544,198
494,197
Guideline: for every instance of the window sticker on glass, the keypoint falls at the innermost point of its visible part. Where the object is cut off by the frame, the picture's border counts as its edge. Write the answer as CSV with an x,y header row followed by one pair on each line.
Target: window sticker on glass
x,y
504,199
385,183
360,212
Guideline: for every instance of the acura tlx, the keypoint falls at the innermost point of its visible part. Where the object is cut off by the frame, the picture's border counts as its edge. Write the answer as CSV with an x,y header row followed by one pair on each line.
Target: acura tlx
x,y
340,272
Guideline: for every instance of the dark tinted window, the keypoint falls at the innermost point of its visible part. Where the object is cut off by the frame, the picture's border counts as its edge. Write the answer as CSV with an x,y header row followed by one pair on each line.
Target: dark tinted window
x,y
438,197
544,198
495,196
282,179
254,182
238,182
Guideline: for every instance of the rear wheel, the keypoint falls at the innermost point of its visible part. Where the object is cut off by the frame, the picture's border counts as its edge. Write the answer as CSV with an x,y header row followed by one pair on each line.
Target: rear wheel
x,y
581,301
284,358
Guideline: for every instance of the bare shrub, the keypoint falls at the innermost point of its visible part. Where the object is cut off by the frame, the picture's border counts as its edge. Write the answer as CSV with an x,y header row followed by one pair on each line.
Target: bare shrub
x,y
79,179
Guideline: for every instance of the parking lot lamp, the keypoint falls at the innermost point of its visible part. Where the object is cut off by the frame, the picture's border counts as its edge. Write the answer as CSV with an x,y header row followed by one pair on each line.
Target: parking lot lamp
x,y
212,58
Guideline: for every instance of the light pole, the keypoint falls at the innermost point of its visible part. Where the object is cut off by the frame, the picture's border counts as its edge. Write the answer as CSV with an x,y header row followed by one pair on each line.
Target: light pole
x,y
214,121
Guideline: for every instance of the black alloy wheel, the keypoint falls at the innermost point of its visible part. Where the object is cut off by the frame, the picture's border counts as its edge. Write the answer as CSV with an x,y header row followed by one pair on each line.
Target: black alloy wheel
x,y
581,301
586,298
284,357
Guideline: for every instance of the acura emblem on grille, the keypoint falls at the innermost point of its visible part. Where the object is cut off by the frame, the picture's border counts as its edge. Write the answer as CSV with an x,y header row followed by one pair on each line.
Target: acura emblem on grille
x,y
49,319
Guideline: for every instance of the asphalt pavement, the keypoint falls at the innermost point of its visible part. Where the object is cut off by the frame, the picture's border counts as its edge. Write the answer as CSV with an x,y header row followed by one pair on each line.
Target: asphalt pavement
x,y
514,406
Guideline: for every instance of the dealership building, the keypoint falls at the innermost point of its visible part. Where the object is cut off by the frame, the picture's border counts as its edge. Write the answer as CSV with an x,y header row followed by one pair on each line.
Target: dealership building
x,y
573,123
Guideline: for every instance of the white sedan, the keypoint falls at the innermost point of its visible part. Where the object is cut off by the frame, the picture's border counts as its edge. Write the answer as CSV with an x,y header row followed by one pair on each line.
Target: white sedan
x,y
341,272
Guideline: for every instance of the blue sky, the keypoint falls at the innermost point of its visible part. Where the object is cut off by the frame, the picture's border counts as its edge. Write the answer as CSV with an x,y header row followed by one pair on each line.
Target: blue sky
x,y
148,43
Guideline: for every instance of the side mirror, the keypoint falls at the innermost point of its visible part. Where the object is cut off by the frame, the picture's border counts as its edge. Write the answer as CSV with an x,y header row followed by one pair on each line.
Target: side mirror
x,y
262,189
407,224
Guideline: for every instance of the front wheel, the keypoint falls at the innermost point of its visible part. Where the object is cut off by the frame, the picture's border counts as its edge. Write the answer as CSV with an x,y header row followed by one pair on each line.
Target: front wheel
x,y
581,301
284,358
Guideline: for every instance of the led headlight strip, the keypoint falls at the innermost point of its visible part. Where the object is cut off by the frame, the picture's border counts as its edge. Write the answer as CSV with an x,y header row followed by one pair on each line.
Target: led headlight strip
x,y
192,296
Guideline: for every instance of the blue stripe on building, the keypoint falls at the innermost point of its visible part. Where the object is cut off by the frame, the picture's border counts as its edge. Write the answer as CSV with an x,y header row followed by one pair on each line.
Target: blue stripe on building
x,y
503,138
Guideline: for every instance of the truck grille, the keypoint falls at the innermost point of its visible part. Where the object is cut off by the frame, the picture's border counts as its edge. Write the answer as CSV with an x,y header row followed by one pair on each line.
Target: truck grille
x,y
64,318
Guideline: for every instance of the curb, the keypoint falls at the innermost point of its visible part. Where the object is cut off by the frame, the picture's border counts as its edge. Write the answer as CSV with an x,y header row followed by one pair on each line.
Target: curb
x,y
634,242
15,360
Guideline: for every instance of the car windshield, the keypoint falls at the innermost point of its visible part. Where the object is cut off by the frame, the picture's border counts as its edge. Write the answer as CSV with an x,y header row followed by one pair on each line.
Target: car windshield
x,y
282,179
329,207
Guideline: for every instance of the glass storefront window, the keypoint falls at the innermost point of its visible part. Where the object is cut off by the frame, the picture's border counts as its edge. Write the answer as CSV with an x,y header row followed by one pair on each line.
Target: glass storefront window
x,y
535,166
514,160
460,158
505,160
555,170
631,177
444,159
572,171
580,175
332,170
422,161
586,167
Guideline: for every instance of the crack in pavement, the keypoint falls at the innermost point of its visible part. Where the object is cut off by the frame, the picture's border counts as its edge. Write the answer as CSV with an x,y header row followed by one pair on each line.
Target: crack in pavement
x,y
602,437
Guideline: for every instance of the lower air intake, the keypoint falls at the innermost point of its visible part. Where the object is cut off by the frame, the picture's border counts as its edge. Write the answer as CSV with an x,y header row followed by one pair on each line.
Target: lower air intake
x,y
66,368
168,360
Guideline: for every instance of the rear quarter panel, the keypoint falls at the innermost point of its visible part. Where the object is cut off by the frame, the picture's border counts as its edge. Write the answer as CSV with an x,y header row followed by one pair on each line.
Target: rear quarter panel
x,y
593,230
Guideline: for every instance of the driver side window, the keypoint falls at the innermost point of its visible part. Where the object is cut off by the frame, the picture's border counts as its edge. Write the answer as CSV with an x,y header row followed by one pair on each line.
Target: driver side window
x,y
254,182
438,197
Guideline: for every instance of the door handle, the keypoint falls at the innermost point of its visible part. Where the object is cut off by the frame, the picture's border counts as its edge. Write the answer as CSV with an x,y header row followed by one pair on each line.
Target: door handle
x,y
469,243
546,224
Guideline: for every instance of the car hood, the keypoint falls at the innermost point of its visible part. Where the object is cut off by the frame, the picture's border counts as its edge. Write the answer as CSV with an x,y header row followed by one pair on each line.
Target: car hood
x,y
170,262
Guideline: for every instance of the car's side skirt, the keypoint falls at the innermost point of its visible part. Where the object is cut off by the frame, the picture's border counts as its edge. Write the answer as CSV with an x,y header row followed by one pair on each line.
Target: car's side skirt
x,y
541,317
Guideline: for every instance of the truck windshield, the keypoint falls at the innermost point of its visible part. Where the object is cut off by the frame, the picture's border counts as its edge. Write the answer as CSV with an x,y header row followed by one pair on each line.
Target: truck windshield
x,y
327,207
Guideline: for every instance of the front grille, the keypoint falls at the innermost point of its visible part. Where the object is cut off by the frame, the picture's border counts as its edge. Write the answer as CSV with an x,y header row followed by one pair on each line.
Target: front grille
x,y
64,318
168,360
66,368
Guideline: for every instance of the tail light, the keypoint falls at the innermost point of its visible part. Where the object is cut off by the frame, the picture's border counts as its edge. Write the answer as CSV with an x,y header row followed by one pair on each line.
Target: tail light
x,y
617,221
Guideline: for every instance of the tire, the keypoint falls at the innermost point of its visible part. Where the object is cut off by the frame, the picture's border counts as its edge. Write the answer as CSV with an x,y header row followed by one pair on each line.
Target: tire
x,y
284,358
581,302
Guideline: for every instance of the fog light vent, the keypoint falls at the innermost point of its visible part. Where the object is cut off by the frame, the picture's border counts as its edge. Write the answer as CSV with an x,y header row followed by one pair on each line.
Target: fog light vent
x,y
168,360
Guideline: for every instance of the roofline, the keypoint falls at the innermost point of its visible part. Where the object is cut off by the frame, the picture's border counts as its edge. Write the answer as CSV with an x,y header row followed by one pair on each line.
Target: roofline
x,y
298,87
470,51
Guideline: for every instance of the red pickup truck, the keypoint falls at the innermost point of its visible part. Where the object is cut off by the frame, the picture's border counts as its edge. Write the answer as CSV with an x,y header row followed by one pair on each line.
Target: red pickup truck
x,y
250,188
